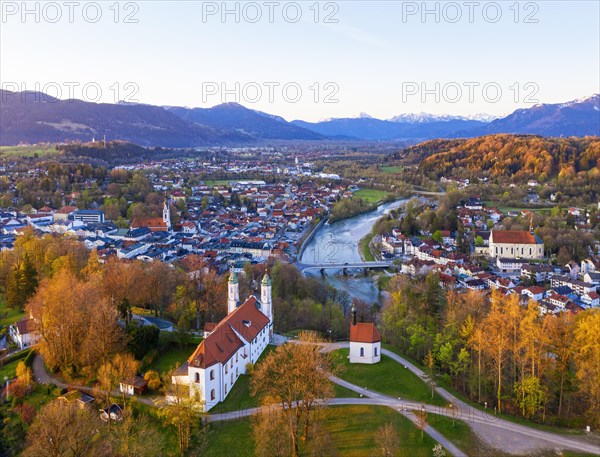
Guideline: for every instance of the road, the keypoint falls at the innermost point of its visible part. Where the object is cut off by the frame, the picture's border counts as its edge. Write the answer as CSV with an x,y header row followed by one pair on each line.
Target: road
x,y
498,433
41,376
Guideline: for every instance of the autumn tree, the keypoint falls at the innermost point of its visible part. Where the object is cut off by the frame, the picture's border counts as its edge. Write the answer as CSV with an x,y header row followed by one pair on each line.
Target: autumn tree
x,y
269,428
136,436
295,377
61,430
182,409
498,341
587,359
78,326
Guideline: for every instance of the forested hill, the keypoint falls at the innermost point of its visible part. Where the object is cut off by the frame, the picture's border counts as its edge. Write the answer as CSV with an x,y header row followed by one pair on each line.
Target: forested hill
x,y
519,157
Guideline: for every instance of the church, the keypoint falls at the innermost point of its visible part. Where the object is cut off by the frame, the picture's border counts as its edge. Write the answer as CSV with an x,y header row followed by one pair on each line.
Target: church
x,y
238,340
155,224
515,244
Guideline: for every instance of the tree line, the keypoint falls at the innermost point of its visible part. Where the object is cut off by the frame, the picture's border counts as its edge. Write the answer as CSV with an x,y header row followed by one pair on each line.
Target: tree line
x,y
498,351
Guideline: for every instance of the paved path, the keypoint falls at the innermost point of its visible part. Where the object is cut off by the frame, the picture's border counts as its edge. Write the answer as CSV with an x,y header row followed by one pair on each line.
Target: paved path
x,y
498,433
41,376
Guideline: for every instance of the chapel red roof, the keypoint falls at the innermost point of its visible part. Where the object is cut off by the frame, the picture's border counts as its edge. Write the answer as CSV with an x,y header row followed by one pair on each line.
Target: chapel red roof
x,y
364,332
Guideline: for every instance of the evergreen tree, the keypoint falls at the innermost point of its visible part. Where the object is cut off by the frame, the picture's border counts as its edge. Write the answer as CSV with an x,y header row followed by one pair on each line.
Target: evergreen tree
x,y
15,297
29,277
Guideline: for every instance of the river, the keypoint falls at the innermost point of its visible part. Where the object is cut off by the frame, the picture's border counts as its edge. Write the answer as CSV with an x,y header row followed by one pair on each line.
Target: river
x,y
338,243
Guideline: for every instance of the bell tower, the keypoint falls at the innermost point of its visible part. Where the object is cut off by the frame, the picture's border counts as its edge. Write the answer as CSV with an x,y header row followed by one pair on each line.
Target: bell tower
x,y
233,292
266,300
167,213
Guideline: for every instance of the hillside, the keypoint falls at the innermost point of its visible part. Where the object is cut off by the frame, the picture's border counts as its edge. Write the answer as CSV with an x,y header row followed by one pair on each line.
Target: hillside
x,y
367,128
237,117
34,118
519,157
574,118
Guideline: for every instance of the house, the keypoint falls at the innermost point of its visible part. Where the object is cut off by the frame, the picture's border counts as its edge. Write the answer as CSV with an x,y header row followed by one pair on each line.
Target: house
x,y
515,244
365,342
508,265
63,213
133,386
236,342
591,299
78,398
537,273
24,333
578,287
89,216
536,293
114,413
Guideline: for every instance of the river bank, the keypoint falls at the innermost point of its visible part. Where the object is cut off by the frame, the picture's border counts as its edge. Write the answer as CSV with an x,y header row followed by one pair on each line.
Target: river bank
x,y
338,242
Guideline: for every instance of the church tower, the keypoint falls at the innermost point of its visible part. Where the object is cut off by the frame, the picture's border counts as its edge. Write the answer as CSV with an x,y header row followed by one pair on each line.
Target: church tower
x,y
265,296
167,214
233,292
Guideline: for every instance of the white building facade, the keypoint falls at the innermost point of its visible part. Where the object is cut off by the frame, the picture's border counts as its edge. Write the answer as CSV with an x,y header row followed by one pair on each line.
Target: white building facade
x,y
365,342
237,341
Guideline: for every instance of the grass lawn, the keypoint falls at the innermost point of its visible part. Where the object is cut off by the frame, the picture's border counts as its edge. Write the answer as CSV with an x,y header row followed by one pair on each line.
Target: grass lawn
x,y
506,209
351,428
363,245
392,169
9,370
342,392
9,316
232,438
216,182
26,151
371,195
238,398
386,377
175,356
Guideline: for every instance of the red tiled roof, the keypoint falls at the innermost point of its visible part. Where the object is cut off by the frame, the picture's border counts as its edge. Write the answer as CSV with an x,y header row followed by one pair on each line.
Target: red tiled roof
x,y
67,209
364,332
247,320
153,223
512,237
26,326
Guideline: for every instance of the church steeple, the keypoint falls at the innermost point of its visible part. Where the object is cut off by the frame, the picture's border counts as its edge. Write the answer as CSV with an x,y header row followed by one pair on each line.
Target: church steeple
x,y
233,292
167,213
266,301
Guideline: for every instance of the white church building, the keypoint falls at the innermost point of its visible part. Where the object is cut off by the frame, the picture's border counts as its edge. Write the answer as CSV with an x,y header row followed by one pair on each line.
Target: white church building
x,y
365,342
239,339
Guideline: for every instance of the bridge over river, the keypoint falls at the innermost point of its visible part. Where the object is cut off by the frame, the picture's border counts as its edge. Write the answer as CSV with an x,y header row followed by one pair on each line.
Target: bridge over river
x,y
342,266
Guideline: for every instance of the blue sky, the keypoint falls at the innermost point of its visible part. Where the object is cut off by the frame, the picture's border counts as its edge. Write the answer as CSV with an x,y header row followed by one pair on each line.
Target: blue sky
x,y
378,57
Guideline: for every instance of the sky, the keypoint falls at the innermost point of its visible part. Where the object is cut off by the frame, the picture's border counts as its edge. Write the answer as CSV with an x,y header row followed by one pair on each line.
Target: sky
x,y
306,60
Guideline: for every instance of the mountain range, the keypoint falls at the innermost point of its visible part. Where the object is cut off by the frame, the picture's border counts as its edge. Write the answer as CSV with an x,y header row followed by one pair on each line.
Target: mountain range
x,y
30,117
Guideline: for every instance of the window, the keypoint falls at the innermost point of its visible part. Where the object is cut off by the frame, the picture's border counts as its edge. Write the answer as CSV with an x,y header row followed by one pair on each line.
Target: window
x,y
226,370
212,394
375,351
197,377
362,352
212,375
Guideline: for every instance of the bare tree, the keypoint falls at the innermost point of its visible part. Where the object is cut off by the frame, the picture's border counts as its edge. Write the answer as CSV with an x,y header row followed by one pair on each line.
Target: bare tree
x,y
387,440
421,416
